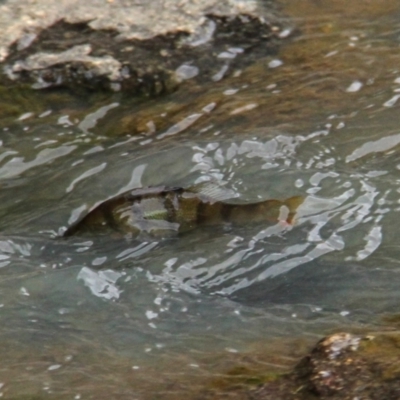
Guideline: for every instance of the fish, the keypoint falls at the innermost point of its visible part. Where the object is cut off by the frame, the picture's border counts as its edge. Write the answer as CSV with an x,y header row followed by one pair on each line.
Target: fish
x,y
162,211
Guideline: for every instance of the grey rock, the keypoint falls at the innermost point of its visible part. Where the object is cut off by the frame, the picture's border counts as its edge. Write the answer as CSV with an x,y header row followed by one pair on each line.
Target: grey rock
x,y
40,63
21,19
133,45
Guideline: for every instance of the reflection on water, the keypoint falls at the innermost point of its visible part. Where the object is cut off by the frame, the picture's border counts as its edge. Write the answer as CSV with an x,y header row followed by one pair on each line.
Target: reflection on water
x,y
111,314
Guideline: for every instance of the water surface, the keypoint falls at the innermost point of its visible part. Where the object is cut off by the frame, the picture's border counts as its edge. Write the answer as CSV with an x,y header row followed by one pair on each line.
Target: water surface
x,y
108,316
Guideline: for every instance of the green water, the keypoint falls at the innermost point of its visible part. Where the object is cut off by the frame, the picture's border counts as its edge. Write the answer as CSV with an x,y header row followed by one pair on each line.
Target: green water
x,y
111,317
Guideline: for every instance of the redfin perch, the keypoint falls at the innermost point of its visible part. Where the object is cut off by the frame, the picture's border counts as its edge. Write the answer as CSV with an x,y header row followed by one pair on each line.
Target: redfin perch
x,y
162,211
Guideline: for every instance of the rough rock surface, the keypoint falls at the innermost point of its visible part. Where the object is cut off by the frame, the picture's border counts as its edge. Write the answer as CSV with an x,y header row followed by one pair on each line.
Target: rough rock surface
x,y
21,20
133,45
342,366
347,367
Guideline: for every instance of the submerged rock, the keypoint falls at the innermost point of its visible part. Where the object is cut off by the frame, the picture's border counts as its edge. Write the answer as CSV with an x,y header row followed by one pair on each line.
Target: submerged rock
x,y
141,47
347,367
342,366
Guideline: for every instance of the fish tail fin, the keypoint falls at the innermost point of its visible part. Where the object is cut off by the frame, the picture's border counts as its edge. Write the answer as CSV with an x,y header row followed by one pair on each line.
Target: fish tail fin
x,y
292,203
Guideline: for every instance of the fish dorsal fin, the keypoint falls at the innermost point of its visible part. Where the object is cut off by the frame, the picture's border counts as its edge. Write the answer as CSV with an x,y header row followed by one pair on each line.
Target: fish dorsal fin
x,y
212,191
149,190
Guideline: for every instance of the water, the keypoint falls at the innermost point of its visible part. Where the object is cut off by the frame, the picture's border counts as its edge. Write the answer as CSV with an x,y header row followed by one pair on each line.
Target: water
x,y
101,317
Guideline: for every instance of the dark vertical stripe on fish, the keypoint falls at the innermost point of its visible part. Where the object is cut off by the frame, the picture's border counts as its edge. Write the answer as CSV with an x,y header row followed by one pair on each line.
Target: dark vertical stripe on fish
x,y
170,207
201,214
226,211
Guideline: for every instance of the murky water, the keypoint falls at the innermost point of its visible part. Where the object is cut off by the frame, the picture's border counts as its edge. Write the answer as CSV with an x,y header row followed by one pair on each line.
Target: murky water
x,y
100,317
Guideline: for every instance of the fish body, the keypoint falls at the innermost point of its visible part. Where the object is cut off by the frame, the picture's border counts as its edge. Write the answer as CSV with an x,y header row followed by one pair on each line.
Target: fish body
x,y
162,211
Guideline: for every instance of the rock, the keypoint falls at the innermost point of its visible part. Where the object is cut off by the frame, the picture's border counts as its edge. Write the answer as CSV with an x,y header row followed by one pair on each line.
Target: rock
x,y
342,366
348,367
118,46
334,367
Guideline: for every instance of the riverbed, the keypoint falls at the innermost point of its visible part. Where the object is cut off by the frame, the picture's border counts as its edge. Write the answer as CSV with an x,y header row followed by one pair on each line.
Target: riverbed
x,y
108,316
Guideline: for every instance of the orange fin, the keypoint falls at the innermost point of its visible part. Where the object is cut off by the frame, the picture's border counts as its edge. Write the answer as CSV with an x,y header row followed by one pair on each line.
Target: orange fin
x,y
293,203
